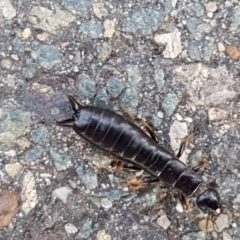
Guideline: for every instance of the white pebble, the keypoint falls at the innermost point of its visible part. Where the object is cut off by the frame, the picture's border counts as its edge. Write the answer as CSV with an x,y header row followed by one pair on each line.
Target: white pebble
x,y
62,193
188,119
221,47
106,203
226,236
179,207
178,117
160,114
221,222
70,228
163,222
101,235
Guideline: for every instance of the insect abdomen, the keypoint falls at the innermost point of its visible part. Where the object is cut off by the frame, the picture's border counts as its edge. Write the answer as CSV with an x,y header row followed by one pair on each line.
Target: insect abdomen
x,y
122,138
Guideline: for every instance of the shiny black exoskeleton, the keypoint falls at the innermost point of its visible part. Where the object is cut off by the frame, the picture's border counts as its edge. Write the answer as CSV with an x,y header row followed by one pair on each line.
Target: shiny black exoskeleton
x,y
119,136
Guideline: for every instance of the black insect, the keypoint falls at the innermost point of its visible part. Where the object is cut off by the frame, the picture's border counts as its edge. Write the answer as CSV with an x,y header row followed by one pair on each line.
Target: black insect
x,y
120,137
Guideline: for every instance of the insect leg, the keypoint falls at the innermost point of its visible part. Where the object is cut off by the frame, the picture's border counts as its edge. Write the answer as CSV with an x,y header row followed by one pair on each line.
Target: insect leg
x,y
134,183
183,144
66,123
142,122
124,166
201,163
150,180
121,165
183,202
75,105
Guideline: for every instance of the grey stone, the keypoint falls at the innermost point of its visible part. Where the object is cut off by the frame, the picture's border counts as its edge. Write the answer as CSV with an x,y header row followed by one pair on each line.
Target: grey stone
x,y
29,72
195,9
109,68
163,221
85,230
234,232
115,86
62,193
113,194
48,56
148,198
50,20
217,150
194,236
7,9
95,201
197,76
99,10
34,153
167,5
194,158
6,63
207,50
88,177
88,58
18,45
156,121
235,19
169,103
4,178
134,75
101,99
86,86
193,50
159,78
129,99
40,135
106,203
60,161
80,6
13,123
172,43
143,21
198,28
91,28
104,51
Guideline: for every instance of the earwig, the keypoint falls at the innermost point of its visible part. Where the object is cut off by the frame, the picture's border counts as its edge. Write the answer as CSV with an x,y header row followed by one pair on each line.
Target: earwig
x,y
123,139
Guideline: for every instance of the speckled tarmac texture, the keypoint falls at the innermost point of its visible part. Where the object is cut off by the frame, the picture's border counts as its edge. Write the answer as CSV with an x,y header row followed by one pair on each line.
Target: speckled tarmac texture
x,y
174,63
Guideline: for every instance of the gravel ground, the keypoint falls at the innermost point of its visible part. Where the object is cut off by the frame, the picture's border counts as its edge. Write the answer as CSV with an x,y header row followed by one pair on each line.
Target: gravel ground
x,y
174,63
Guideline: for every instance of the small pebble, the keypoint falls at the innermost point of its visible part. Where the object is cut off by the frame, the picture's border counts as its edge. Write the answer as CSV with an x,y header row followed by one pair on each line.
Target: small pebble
x,y
211,7
179,207
101,235
106,203
62,193
13,169
15,57
178,117
70,228
221,222
221,47
43,36
233,52
26,33
6,63
226,236
206,225
160,114
163,222
109,28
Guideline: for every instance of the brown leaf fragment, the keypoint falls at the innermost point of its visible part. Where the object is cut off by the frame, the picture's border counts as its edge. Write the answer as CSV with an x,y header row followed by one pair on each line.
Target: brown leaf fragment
x,y
8,207
233,52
